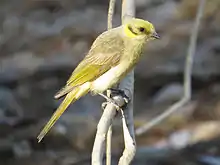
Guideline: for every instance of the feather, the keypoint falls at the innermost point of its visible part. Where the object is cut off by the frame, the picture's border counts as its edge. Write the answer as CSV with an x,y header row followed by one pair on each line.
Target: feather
x,y
71,97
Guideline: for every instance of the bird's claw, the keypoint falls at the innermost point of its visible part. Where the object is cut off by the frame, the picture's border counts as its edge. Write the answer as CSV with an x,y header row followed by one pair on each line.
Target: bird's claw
x,y
115,92
104,104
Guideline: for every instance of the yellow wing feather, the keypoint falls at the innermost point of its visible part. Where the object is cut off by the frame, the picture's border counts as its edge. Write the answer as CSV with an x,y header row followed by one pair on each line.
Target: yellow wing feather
x,y
104,54
70,98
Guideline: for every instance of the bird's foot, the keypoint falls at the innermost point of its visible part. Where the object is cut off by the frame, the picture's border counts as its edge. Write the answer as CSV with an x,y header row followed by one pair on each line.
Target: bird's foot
x,y
110,100
113,93
116,92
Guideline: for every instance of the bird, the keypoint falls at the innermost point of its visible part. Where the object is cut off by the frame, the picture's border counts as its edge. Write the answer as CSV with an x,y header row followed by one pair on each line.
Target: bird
x,y
113,54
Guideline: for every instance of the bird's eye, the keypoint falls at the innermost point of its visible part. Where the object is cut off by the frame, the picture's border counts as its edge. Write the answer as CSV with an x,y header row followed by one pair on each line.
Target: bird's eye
x,y
141,29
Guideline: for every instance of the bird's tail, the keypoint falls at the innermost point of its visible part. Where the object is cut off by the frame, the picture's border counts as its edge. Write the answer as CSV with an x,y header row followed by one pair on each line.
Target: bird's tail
x,y
71,97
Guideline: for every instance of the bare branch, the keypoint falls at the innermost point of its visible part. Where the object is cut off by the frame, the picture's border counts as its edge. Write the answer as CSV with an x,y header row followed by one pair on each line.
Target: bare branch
x,y
102,129
109,134
187,75
127,85
109,145
128,10
111,10
105,124
130,146
108,115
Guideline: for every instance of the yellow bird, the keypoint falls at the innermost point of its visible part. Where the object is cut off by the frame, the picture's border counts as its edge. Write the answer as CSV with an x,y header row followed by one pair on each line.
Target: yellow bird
x,y
112,55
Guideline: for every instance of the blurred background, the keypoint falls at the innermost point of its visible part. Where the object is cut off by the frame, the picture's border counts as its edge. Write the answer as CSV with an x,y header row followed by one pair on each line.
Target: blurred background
x,y
42,41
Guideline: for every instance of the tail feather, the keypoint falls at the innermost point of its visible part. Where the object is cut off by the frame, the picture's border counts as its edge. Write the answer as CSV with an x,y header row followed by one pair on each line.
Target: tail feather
x,y
71,97
65,90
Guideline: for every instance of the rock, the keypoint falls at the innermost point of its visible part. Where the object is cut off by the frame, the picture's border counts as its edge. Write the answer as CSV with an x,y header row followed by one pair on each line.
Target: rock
x,y
6,151
11,26
208,59
205,131
169,93
215,89
18,66
22,149
210,160
159,13
179,139
9,106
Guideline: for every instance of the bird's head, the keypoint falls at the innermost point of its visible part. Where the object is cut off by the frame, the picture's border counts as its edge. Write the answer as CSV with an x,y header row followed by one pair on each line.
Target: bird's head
x,y
140,29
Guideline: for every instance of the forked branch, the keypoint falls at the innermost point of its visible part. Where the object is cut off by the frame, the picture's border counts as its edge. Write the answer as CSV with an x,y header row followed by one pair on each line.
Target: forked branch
x,y
128,10
187,75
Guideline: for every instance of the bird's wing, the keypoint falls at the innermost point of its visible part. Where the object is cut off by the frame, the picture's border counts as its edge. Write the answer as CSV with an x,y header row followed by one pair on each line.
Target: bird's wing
x,y
104,54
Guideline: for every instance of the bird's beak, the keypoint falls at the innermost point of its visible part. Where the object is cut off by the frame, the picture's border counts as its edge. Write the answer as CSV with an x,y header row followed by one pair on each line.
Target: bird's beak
x,y
155,35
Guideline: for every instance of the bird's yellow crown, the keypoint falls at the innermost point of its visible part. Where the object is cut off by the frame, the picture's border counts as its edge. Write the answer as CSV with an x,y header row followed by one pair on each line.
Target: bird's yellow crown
x,y
138,27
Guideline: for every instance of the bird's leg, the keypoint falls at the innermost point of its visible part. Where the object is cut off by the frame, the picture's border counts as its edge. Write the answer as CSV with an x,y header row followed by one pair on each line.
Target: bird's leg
x,y
115,92
112,93
109,100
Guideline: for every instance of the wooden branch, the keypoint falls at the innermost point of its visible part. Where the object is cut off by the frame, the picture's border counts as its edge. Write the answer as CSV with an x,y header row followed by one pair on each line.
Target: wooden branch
x,y
102,129
128,9
111,10
109,145
109,134
105,124
127,85
187,75
130,146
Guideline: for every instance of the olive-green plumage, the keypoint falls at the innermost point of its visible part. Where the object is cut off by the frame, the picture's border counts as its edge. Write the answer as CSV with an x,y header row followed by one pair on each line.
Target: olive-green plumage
x,y
112,55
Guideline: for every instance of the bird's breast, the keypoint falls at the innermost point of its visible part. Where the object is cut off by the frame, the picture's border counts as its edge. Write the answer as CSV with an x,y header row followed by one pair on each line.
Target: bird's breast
x,y
109,78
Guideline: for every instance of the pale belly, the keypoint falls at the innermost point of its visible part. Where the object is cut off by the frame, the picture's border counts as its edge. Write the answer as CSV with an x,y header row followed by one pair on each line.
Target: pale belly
x,y
108,79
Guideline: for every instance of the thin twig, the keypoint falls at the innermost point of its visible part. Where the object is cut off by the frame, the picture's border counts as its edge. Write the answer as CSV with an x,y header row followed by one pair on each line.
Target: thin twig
x,y
110,110
102,129
109,134
109,145
111,10
127,85
130,146
128,10
106,121
128,122
187,75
